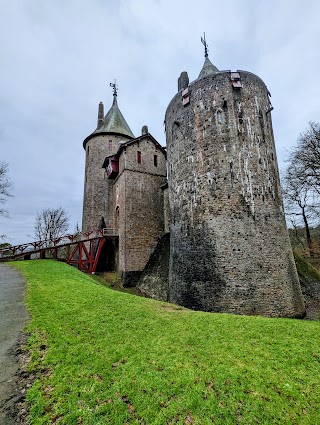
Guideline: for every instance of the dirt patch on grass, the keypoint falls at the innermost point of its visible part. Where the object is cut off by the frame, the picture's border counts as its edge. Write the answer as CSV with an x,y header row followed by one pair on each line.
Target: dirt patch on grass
x,y
174,308
14,406
113,280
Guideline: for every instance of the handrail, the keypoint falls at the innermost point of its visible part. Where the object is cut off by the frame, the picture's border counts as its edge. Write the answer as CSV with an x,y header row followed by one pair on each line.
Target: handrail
x,y
29,247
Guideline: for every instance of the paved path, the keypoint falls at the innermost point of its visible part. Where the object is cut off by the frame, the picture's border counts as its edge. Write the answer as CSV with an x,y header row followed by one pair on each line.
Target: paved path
x,y
13,317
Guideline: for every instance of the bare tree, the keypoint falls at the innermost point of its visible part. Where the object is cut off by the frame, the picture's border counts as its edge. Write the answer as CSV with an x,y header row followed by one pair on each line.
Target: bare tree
x,y
51,223
301,200
301,183
5,186
306,156
77,229
5,190
297,232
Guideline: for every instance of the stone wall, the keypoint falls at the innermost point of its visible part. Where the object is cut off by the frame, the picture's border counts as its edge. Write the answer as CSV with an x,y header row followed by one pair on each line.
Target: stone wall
x,y
154,281
310,286
230,250
166,208
98,192
148,150
139,205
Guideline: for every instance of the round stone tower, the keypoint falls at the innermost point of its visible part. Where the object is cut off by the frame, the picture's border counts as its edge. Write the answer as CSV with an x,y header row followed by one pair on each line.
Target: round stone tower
x,y
103,142
230,250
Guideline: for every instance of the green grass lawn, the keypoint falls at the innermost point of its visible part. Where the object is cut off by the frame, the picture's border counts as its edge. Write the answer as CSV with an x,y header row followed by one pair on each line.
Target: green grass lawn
x,y
107,357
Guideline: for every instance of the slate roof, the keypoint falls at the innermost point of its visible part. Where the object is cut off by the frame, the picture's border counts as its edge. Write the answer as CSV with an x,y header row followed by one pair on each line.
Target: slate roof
x,y
207,69
113,123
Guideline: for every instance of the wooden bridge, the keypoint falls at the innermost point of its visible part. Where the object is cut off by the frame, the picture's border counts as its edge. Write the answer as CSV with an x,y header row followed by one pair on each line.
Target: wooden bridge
x,y
81,250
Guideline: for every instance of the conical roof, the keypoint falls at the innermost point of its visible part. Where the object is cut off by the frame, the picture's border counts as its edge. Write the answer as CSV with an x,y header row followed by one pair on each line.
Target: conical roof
x,y
114,122
207,69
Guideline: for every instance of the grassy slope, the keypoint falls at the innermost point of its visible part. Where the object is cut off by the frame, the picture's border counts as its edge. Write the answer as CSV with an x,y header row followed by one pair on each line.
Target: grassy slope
x,y
108,357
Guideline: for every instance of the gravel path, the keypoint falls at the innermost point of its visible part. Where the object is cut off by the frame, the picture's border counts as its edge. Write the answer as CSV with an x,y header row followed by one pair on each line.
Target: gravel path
x,y
13,318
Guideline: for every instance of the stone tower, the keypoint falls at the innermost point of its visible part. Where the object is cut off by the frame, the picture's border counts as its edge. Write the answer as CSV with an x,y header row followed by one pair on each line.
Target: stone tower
x,y
137,201
98,190
229,249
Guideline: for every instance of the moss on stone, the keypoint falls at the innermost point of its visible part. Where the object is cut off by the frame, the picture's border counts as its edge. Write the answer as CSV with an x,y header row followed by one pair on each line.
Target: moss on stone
x,y
305,269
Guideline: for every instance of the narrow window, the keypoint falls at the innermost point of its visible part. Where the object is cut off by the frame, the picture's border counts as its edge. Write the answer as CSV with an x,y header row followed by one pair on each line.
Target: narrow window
x,y
88,150
139,157
110,145
117,218
155,160
219,117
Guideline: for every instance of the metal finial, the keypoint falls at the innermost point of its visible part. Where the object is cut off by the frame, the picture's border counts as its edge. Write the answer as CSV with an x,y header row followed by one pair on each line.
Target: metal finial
x,y
203,41
115,87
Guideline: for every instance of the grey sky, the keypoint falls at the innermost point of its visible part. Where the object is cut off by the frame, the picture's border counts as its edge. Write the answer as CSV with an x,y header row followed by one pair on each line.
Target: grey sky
x,y
58,58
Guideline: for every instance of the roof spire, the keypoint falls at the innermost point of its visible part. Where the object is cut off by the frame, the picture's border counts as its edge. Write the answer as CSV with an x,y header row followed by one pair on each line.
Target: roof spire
x,y
115,92
113,122
203,41
208,68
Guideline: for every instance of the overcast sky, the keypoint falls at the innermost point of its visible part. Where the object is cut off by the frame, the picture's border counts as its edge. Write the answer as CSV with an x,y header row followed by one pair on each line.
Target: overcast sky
x,y
58,58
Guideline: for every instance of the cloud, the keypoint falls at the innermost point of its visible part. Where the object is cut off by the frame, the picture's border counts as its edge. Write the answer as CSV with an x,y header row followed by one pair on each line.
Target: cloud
x,y
58,60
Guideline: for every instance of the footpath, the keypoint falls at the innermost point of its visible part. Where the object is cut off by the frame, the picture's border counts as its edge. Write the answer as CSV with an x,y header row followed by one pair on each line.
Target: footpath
x,y
13,318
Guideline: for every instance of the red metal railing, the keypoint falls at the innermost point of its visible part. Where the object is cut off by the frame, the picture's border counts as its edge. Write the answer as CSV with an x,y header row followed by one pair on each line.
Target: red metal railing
x,y
81,249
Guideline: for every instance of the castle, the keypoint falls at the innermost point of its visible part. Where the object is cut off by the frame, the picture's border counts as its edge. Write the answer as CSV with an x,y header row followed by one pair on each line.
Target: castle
x,y
199,223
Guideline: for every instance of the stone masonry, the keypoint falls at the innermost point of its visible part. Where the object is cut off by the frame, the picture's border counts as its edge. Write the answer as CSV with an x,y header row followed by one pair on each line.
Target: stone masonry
x,y
139,204
212,236
98,191
230,250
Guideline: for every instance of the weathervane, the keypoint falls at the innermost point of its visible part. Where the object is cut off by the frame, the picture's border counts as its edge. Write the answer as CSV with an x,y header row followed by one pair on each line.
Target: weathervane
x,y
115,87
203,41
